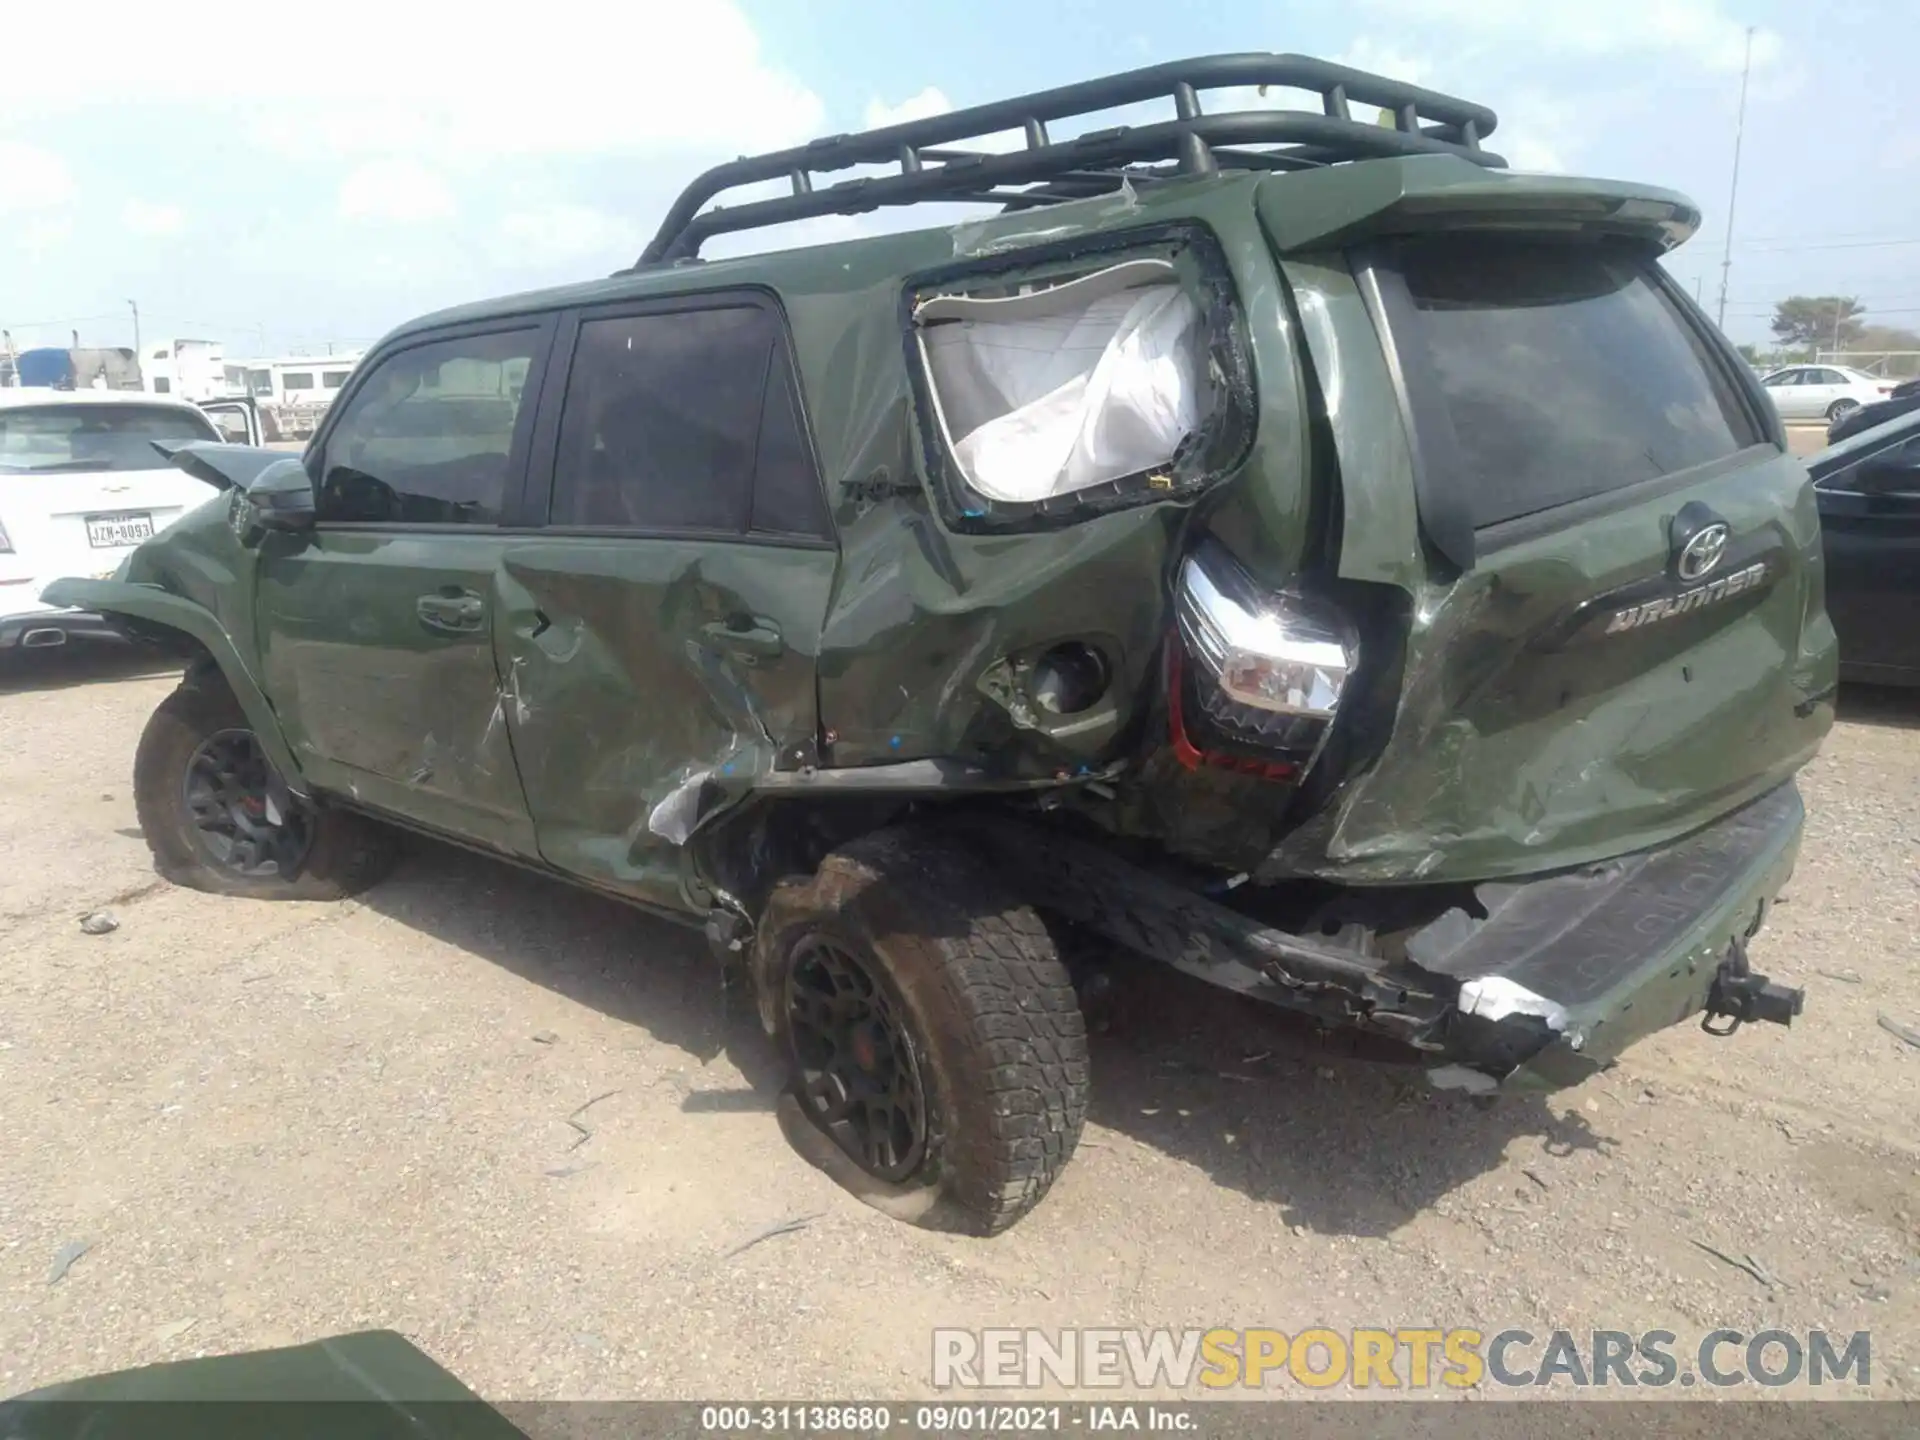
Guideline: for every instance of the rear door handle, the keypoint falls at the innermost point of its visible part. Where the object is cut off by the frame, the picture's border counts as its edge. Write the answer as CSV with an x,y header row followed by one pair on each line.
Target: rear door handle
x,y
744,635
450,609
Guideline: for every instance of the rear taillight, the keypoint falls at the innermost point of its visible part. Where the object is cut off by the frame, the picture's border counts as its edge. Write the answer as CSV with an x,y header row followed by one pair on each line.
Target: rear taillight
x,y
1268,666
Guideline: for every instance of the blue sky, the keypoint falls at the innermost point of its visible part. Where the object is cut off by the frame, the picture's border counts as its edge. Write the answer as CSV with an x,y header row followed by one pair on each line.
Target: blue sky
x,y
292,182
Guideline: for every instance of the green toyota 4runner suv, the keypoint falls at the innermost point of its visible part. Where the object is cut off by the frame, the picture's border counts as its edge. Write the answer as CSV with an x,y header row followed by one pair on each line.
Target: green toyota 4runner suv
x,y
1274,541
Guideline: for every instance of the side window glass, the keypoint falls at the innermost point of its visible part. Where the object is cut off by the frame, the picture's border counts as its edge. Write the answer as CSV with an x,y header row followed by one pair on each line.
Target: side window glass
x,y
427,438
683,420
786,491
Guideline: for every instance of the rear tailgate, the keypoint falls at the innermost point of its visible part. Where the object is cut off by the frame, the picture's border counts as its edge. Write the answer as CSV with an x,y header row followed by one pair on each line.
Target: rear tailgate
x,y
83,523
1617,627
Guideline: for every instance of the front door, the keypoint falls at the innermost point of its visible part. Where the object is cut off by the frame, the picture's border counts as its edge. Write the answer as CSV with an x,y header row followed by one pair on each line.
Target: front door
x,y
376,630
1790,393
661,634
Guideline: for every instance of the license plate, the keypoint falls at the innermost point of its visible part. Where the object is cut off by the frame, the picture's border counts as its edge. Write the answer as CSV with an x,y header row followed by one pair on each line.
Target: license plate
x,y
125,527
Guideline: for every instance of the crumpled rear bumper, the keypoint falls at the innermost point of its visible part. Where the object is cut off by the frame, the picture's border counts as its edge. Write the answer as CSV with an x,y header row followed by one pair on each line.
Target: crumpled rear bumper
x,y
1596,959
1546,983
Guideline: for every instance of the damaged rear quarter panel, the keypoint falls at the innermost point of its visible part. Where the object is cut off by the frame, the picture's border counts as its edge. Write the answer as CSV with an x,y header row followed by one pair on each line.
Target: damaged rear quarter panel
x,y
919,611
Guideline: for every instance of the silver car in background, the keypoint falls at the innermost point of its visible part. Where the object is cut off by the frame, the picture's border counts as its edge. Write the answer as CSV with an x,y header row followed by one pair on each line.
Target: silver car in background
x,y
1823,392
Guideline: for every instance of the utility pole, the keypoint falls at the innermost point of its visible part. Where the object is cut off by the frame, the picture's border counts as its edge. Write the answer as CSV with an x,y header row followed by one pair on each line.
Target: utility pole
x,y
136,328
1733,193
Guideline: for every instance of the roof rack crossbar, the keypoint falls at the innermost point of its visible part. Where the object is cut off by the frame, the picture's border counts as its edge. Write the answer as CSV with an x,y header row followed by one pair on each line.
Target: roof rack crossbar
x,y
936,162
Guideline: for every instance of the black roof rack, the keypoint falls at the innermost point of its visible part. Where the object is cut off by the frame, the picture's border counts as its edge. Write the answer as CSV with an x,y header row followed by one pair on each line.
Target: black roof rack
x,y
935,164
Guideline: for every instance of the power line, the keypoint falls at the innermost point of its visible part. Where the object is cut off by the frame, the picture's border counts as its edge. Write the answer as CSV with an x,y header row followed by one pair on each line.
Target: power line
x,y
1832,245
1797,239
51,324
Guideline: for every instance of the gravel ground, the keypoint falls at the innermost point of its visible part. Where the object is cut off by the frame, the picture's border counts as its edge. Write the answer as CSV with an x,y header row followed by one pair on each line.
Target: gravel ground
x,y
272,1123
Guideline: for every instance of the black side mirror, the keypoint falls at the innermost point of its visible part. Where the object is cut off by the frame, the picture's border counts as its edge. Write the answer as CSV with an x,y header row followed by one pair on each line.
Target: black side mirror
x,y
278,499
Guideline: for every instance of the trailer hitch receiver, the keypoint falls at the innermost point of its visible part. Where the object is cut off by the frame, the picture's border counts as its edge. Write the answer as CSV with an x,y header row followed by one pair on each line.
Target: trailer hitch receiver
x,y
1740,994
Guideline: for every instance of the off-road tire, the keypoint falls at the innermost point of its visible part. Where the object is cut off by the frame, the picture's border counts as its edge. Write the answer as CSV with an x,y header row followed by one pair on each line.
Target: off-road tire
x,y
347,853
987,1004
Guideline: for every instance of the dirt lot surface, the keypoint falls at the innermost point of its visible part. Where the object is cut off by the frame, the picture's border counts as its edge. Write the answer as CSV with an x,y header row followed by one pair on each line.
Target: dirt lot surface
x,y
526,1128
1805,439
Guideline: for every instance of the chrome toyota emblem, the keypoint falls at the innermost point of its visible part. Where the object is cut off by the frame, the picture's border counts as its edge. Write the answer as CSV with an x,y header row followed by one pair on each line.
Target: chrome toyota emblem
x,y
1701,553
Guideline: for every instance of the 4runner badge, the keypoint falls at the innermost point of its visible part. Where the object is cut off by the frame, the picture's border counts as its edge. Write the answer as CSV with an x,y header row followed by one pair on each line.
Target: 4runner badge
x,y
1688,601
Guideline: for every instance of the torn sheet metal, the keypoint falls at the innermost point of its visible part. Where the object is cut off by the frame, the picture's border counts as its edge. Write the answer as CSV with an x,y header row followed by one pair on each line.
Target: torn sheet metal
x,y
1494,997
675,816
1001,233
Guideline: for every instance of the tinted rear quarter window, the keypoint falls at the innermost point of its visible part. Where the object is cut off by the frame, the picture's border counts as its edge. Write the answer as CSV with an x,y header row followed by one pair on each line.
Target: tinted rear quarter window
x,y
684,420
1543,373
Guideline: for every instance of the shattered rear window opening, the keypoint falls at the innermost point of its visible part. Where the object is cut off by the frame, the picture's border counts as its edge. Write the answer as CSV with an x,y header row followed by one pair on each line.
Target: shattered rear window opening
x,y
1065,388
1048,397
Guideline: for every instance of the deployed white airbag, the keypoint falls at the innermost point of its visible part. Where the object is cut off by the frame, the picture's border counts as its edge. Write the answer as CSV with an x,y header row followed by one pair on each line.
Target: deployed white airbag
x,y
1056,390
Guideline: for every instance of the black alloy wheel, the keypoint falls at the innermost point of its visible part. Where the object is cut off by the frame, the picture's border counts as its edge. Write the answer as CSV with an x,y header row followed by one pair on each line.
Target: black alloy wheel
x,y
860,1078
245,819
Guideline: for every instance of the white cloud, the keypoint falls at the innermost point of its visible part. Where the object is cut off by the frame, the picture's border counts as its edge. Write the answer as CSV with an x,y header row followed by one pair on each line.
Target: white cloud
x,y
40,233
1370,55
395,189
1537,132
933,101
568,77
1701,31
1900,152
145,217
929,102
563,233
33,179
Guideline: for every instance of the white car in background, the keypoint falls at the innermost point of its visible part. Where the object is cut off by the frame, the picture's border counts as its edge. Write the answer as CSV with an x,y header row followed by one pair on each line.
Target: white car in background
x,y
81,485
1823,392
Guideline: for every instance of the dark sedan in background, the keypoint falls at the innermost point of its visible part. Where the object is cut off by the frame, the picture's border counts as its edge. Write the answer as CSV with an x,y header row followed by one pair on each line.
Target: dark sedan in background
x,y
1869,493
1902,400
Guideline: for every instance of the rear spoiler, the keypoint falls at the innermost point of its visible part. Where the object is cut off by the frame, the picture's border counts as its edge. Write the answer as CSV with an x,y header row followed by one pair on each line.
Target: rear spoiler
x,y
1347,204
222,466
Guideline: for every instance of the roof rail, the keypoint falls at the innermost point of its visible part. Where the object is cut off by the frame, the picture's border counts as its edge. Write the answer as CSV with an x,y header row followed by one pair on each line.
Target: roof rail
x,y
935,162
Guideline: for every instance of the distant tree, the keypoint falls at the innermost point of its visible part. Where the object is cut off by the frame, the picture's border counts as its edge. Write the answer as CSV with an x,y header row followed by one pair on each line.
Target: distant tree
x,y
1886,337
1830,322
1750,354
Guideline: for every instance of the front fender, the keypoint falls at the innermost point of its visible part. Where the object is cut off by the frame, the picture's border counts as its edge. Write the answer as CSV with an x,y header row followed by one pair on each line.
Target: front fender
x,y
157,607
